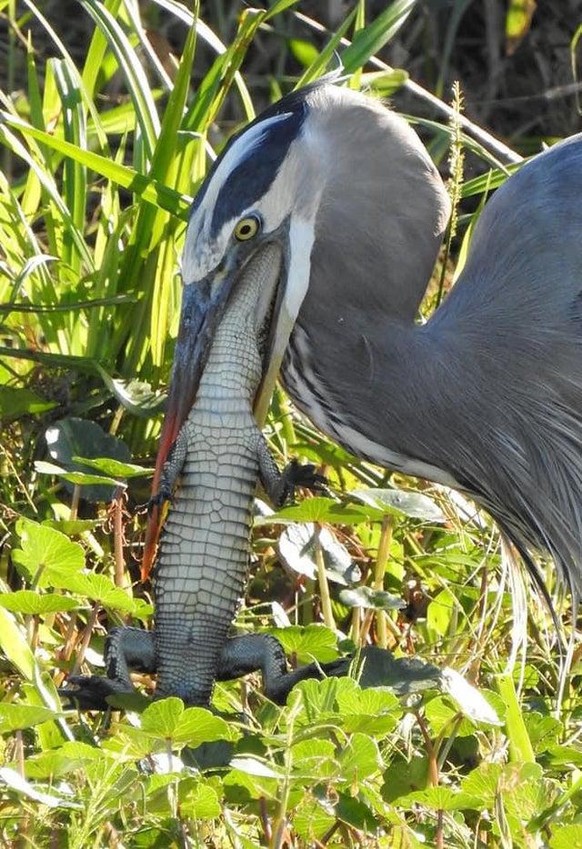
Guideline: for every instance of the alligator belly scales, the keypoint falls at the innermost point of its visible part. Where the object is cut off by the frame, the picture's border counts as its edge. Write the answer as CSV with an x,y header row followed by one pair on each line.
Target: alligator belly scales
x,y
204,552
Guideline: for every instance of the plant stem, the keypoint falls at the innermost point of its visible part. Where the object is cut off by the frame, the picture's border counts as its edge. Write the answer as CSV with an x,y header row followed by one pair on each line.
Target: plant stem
x,y
324,593
379,572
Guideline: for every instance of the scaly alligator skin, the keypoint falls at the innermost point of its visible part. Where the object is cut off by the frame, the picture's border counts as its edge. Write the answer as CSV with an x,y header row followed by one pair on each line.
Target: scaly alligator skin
x,y
205,544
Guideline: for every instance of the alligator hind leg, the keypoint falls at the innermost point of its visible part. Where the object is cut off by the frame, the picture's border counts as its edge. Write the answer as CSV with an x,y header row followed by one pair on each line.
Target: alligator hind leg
x,y
263,652
132,648
125,649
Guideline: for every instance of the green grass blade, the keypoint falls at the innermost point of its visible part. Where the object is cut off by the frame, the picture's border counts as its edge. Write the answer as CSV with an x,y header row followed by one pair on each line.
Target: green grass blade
x,y
137,84
45,179
144,187
96,53
326,56
174,111
211,39
372,38
75,173
520,747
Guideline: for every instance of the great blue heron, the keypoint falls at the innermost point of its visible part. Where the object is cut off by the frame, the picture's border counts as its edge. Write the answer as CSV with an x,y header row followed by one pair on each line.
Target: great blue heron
x,y
487,395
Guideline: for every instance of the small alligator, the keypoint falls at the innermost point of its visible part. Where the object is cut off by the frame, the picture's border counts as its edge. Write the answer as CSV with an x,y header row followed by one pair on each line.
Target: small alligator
x,y
211,476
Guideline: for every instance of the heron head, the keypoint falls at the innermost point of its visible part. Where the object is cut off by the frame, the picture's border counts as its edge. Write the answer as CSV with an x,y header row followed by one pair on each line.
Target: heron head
x,y
258,194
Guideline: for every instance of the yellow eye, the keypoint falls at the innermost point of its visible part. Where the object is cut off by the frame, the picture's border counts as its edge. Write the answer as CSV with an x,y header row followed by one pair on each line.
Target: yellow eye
x,y
247,228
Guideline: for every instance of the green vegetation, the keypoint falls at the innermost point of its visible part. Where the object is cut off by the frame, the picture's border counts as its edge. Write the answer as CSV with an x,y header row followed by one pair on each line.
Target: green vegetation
x,y
102,148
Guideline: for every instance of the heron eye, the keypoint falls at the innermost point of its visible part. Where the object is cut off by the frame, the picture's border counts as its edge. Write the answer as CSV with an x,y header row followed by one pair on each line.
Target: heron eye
x,y
247,228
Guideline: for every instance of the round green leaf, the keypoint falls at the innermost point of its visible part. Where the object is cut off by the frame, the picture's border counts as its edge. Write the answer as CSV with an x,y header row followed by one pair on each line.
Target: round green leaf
x,y
198,800
31,603
15,717
360,758
46,553
313,642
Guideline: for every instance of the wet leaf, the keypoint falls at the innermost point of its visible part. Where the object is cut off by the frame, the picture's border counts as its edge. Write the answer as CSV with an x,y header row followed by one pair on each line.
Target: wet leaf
x,y
74,437
415,505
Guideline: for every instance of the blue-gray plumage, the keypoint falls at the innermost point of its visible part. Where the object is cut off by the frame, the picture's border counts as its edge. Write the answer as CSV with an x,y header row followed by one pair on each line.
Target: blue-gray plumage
x,y
487,395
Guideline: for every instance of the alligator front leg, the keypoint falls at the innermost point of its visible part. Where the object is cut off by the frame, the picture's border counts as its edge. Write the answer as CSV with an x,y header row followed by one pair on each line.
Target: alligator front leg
x,y
280,486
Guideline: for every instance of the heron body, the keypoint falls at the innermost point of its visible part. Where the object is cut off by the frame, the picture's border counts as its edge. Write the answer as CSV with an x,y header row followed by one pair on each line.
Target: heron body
x,y
487,395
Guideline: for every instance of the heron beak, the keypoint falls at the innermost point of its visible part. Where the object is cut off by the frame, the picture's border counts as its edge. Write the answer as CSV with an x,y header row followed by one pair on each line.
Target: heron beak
x,y
203,305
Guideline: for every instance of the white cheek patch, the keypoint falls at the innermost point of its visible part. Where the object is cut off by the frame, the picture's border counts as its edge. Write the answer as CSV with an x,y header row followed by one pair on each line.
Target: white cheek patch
x,y
301,239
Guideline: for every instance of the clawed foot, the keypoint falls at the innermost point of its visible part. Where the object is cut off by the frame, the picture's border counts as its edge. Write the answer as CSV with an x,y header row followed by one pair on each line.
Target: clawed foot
x,y
296,475
160,498
90,692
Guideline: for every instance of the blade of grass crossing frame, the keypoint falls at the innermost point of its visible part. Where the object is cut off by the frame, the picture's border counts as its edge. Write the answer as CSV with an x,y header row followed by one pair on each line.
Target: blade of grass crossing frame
x,y
32,194
520,747
249,22
45,178
169,142
370,39
355,80
96,52
155,230
276,8
108,241
137,84
145,188
73,70
211,39
174,112
74,172
326,55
